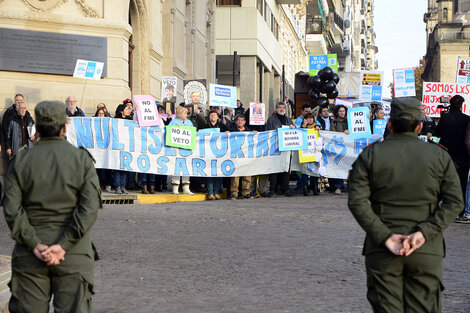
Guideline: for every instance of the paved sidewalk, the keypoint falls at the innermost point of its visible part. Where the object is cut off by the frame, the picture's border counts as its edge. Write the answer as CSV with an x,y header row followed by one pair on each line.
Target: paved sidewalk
x,y
5,275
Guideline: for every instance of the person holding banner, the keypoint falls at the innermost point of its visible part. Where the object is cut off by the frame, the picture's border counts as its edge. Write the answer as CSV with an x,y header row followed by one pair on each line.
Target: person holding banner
x,y
258,182
120,177
404,193
278,120
239,126
214,183
181,119
339,124
306,108
309,123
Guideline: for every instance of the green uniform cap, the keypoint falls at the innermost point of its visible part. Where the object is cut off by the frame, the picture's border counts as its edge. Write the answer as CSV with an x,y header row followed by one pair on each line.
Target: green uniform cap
x,y
50,113
409,105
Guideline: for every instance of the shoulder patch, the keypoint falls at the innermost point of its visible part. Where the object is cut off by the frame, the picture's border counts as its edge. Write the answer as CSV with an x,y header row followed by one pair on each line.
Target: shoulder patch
x,y
88,152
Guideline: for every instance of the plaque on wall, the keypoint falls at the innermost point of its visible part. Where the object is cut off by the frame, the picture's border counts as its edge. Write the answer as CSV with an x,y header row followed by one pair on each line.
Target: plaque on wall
x,y
48,53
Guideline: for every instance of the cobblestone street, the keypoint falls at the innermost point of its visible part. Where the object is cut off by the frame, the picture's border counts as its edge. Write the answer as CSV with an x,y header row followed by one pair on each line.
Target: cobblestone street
x,y
299,254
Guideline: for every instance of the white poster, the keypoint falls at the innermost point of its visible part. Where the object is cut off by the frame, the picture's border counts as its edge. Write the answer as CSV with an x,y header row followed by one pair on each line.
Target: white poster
x,y
404,82
88,69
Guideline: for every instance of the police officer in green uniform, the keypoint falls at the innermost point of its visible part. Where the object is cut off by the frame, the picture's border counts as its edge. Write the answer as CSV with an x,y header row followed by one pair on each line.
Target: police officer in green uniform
x,y
404,192
51,202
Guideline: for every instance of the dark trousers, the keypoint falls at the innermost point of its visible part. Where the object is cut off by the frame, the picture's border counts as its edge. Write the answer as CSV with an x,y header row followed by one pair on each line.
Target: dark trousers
x,y
147,179
105,176
462,171
409,284
279,178
33,283
119,178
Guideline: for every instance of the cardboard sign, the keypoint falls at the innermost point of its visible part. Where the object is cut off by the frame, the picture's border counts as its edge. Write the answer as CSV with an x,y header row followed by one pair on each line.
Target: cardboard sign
x,y
222,96
432,92
371,86
309,155
257,113
169,92
379,127
318,62
404,82
181,137
292,139
358,123
463,70
88,69
147,112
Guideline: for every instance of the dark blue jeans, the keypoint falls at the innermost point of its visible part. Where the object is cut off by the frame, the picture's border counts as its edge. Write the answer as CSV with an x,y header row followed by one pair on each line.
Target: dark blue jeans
x,y
119,178
147,179
213,185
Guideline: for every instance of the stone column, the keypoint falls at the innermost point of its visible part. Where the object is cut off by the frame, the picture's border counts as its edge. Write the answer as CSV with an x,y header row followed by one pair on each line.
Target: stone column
x,y
277,89
248,81
268,92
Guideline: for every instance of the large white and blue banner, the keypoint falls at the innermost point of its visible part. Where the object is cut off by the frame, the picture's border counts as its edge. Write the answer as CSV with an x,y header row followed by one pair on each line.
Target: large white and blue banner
x,y
121,144
338,154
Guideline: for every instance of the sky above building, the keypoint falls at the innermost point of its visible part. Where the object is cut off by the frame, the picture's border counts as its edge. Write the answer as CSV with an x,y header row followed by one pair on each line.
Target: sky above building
x,y
401,35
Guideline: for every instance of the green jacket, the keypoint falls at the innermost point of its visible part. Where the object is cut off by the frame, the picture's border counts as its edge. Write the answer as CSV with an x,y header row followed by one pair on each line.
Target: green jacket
x,y
52,195
404,179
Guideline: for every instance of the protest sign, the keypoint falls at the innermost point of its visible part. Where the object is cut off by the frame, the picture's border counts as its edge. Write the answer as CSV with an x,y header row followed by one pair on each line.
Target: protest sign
x,y
147,112
181,136
308,155
169,92
222,96
463,70
432,92
379,126
257,113
195,93
292,139
371,86
404,82
387,108
338,154
358,123
318,62
88,69
120,144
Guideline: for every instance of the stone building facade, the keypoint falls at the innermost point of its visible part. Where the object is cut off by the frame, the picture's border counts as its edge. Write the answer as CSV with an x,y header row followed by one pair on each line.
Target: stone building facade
x,y
448,37
146,39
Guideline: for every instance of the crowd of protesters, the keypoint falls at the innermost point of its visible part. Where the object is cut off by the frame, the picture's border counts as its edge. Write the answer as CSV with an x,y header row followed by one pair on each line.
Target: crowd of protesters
x,y
453,129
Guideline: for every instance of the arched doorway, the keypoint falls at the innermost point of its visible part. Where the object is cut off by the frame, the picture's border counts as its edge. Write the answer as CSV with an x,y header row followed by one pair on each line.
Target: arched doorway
x,y
139,58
